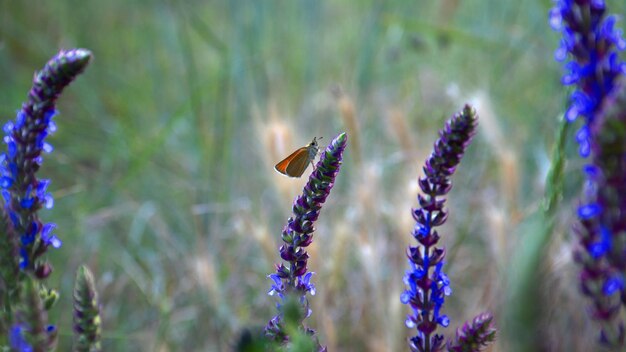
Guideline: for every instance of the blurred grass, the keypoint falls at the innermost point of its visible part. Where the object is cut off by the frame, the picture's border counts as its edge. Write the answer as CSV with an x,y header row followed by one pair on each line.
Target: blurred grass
x,y
164,185
523,321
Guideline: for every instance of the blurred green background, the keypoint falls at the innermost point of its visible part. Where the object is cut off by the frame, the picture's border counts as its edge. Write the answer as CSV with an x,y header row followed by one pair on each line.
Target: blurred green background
x,y
163,169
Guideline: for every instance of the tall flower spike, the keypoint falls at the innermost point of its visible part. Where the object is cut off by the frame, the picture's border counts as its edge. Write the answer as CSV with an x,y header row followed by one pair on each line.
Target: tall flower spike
x,y
602,234
86,313
474,335
609,156
293,279
593,42
427,283
25,138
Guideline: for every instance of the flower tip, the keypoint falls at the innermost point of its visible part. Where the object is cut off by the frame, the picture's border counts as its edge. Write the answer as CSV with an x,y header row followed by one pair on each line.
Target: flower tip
x,y
469,109
341,139
74,61
85,278
80,55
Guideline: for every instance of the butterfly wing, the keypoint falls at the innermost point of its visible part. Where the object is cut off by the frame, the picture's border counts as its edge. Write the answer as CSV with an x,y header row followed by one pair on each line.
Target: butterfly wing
x,y
295,164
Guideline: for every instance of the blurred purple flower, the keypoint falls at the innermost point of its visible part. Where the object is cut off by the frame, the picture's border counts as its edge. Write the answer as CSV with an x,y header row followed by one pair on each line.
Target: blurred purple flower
x,y
25,138
601,250
293,278
593,42
474,335
427,290
590,37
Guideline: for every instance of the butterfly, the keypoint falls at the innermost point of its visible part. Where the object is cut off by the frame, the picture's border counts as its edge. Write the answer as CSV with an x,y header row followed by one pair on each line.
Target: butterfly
x,y
295,164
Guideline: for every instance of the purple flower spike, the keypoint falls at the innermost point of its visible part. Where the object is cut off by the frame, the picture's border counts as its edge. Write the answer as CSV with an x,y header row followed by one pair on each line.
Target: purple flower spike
x,y
601,250
427,284
25,139
474,335
592,39
292,278
609,155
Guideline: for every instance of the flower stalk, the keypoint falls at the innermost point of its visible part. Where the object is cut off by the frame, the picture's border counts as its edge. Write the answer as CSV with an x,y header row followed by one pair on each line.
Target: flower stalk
x,y
291,278
592,43
427,284
474,335
24,238
87,323
602,230
25,138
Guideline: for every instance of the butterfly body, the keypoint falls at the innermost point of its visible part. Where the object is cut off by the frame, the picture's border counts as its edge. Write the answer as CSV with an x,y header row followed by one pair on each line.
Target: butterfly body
x,y
295,164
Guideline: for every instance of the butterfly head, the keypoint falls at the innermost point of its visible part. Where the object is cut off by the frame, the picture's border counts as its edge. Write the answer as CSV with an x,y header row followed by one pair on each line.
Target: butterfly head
x,y
314,142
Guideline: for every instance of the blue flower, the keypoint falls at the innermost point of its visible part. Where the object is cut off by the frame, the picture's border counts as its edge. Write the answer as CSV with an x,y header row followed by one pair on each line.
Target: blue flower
x,y
278,287
17,340
48,237
589,211
305,284
613,285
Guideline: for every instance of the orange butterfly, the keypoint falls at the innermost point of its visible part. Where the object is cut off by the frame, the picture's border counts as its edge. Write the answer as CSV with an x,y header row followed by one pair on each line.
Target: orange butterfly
x,y
295,164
